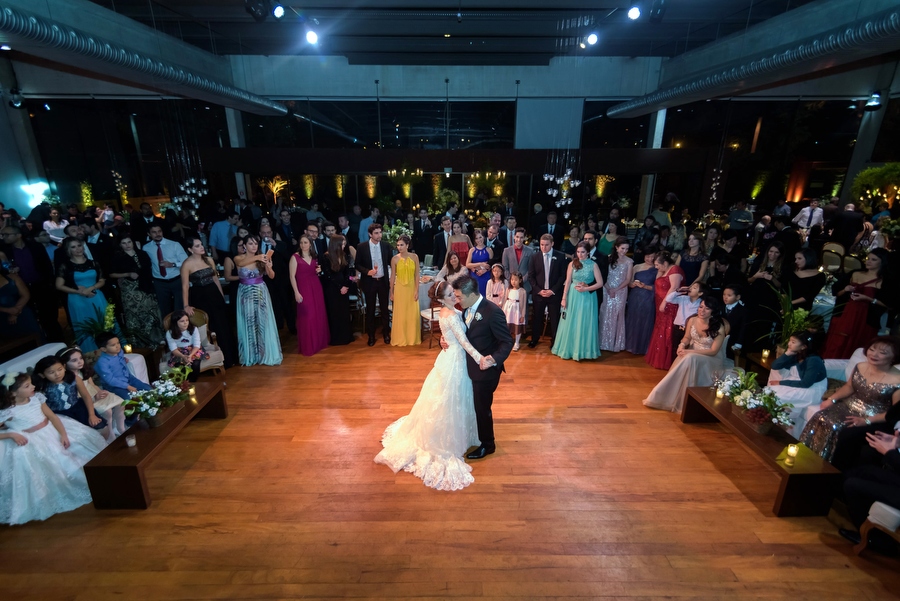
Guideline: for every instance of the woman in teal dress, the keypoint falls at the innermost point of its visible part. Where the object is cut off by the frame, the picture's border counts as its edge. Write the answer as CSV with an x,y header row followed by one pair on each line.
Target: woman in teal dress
x,y
578,334
81,279
258,341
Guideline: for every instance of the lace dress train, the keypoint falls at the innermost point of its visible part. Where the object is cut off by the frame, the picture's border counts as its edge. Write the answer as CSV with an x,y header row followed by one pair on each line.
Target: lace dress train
x,y
431,440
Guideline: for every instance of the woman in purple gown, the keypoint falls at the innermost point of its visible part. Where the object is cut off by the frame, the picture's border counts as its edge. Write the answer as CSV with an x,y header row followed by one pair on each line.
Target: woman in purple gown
x,y
641,308
312,321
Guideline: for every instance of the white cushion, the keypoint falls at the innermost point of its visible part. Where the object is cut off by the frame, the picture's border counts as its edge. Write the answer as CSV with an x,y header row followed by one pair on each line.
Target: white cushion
x,y
885,516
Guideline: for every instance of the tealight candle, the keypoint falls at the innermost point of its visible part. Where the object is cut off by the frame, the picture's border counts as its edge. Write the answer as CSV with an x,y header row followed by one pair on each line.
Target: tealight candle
x,y
193,391
765,353
127,348
720,394
793,450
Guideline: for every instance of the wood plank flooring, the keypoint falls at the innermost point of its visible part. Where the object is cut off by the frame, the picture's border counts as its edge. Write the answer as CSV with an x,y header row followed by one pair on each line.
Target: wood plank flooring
x,y
589,496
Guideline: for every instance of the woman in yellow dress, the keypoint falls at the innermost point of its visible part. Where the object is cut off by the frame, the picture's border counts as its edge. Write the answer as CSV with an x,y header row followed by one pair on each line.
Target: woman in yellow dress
x,y
406,321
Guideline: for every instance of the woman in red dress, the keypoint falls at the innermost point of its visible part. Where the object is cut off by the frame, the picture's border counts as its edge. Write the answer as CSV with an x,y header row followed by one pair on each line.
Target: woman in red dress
x,y
863,307
459,242
312,319
669,276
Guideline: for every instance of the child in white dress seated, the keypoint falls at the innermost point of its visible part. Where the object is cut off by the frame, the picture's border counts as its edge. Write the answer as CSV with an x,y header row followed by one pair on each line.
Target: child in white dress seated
x,y
42,455
108,404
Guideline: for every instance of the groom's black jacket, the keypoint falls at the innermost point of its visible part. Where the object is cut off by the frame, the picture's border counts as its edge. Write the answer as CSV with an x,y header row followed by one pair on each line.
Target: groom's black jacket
x,y
490,335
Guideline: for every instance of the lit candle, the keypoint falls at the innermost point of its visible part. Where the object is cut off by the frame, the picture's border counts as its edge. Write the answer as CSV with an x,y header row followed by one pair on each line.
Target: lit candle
x,y
720,394
193,392
127,348
792,450
765,353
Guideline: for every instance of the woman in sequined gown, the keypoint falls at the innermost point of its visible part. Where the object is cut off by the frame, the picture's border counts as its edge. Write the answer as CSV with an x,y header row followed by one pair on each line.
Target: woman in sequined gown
x,y
701,353
578,336
258,341
201,289
668,277
640,312
612,311
864,399
131,267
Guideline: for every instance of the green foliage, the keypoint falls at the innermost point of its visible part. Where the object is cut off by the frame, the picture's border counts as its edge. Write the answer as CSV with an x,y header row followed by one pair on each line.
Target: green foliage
x,y
876,183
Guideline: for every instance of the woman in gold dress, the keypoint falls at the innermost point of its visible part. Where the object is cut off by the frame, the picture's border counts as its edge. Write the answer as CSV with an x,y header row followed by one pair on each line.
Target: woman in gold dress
x,y
406,322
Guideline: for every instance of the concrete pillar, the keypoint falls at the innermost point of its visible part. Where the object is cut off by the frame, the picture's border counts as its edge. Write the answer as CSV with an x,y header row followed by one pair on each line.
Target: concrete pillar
x,y
236,140
648,181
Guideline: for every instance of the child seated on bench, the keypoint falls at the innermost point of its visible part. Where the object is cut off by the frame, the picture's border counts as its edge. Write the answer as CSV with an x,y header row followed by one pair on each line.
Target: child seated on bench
x,y
113,367
107,403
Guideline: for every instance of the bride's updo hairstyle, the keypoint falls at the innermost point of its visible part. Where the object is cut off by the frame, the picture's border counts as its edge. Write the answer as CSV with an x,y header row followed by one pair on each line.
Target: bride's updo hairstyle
x,y
437,292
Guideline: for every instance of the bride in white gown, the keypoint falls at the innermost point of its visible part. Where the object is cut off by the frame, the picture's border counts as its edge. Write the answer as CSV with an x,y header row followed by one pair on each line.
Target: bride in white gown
x,y
431,440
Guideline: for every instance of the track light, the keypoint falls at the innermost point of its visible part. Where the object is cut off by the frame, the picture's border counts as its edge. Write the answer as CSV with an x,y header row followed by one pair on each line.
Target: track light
x,y
15,98
592,39
312,37
874,102
634,13
5,47
277,11
258,9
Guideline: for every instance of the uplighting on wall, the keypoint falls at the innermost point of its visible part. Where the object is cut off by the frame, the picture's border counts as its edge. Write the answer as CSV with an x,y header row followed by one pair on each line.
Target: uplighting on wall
x,y
36,192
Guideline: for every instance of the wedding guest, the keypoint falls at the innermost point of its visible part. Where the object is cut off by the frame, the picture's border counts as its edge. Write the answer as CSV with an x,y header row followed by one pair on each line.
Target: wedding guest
x,y
221,235
508,231
693,260
258,341
201,289
578,336
723,272
108,404
452,270
280,286
166,258
810,382
17,318
806,281
112,367
81,280
605,229
711,239
185,348
478,262
687,302
669,276
809,216
40,474
460,243
853,448
372,219
312,232
441,242
132,269
736,314
141,222
372,260
36,271
645,233
640,310
495,243
608,240
865,300
406,327
765,286
337,281
871,390
552,228
497,286
55,225
569,244
701,353
612,312
285,231
515,306
66,394
547,275
312,319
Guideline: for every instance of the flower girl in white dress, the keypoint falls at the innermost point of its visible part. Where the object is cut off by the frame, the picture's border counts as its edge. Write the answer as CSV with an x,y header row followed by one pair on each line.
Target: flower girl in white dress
x,y
431,440
41,455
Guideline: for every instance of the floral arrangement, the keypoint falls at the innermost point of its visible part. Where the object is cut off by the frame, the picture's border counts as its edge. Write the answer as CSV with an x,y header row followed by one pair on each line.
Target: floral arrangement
x,y
170,388
761,405
391,233
624,202
444,198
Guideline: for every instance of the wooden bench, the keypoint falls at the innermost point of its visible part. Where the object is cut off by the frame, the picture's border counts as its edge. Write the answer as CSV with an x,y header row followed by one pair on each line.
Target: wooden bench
x,y
116,475
807,487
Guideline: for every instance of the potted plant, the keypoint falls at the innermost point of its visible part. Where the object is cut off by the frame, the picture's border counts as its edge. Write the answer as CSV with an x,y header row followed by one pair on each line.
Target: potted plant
x,y
792,319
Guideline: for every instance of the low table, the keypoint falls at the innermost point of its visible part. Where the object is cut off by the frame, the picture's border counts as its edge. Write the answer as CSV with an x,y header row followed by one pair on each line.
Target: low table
x,y
807,487
116,475
762,366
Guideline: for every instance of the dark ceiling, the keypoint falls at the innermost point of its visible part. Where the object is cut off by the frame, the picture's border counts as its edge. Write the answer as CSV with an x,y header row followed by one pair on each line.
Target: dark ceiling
x,y
455,32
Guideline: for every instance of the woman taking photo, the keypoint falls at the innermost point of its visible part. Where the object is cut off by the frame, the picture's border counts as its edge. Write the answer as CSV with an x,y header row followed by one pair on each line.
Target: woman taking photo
x,y
577,336
312,320
132,268
806,281
669,276
693,260
406,329
700,353
201,289
258,341
81,279
612,311
337,280
478,262
640,311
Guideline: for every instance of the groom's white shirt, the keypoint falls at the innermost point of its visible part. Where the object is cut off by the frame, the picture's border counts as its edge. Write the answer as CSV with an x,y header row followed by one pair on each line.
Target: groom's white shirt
x,y
470,312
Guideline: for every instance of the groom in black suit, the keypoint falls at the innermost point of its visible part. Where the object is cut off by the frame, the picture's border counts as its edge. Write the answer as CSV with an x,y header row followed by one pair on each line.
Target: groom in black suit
x,y
486,329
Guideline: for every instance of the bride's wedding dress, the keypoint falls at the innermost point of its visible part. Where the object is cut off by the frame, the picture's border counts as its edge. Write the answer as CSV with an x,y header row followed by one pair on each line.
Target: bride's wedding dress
x,y
431,440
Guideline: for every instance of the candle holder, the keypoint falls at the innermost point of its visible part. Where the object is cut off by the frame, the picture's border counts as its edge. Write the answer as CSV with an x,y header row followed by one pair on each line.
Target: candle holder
x,y
792,451
765,353
127,348
720,394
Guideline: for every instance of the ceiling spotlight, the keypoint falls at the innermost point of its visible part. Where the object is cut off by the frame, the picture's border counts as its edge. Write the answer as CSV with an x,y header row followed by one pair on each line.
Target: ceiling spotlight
x,y
5,47
312,37
278,11
583,45
15,98
258,9
592,39
874,102
634,13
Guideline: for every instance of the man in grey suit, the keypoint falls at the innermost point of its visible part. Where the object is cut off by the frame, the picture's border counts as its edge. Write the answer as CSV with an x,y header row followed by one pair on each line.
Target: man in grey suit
x,y
517,258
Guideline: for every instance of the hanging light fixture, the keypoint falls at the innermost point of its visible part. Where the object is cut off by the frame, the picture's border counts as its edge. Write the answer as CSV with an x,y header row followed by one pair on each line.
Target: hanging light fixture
x,y
874,102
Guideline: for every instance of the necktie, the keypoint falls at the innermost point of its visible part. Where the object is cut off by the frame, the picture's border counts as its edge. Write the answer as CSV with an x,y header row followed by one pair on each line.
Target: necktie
x,y
550,230
509,236
809,221
547,271
159,259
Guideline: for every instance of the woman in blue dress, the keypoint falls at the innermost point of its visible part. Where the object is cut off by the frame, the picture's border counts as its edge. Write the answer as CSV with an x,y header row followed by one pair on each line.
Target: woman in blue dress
x,y
640,310
81,279
478,262
578,334
258,341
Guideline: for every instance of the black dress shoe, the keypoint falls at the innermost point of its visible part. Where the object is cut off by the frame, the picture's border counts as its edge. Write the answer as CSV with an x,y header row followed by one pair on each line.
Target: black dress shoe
x,y
387,339
850,535
480,453
532,344
371,341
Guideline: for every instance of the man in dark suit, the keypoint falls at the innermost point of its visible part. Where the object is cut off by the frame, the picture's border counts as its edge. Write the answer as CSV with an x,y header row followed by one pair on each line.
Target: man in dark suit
x,y
788,236
283,305
547,272
510,209
554,229
373,260
423,235
440,244
284,231
495,243
140,225
487,331
508,232
602,261
346,231
312,232
846,226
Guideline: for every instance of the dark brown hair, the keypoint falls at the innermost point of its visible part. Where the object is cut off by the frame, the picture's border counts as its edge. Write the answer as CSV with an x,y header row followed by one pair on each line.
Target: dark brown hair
x,y
336,253
614,254
892,341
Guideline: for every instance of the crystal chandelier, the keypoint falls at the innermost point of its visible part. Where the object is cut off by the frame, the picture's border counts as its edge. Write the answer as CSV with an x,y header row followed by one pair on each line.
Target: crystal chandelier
x,y
561,179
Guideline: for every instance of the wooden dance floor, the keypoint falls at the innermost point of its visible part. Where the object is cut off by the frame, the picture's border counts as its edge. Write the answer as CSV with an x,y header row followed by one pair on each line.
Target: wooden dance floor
x,y
589,496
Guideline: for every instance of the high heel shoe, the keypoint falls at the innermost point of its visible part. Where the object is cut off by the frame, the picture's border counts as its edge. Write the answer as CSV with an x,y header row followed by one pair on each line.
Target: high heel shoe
x,y
516,347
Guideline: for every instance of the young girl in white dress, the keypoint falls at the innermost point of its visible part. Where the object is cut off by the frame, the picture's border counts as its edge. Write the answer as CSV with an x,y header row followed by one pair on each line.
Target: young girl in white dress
x,y
41,455
497,286
431,440
515,307
108,404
